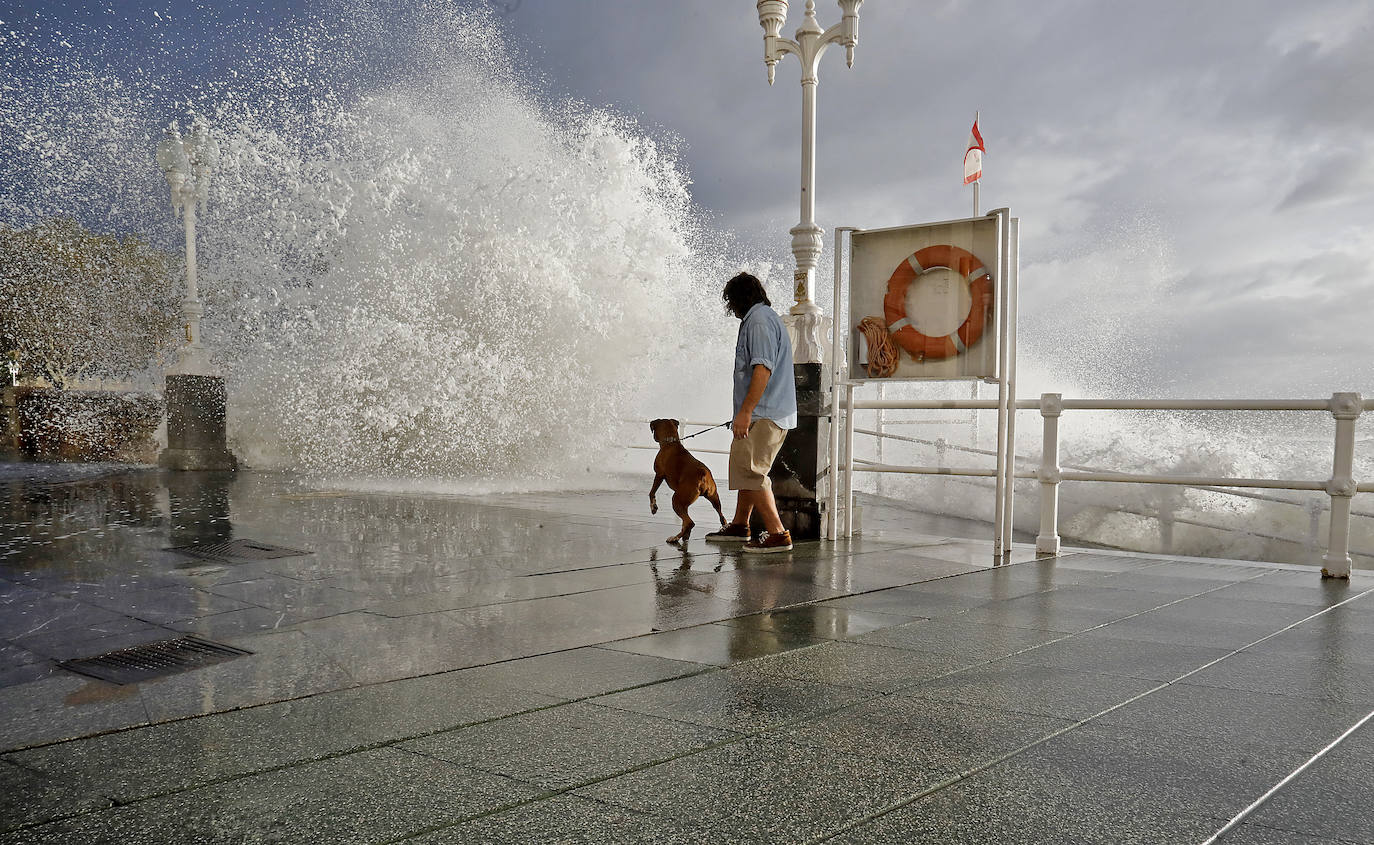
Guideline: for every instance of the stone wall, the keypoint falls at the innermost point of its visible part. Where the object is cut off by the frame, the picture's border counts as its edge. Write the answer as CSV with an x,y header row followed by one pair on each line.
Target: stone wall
x,y
81,425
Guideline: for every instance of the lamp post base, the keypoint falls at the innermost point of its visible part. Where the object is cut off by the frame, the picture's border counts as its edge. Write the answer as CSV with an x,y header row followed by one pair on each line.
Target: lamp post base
x,y
197,459
195,424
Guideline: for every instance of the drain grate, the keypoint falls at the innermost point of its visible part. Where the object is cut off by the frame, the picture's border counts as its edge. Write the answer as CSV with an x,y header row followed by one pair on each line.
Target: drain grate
x,y
153,660
237,550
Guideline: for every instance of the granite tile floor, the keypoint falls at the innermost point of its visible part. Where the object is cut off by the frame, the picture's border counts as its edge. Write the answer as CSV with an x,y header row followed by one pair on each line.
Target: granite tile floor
x,y
543,668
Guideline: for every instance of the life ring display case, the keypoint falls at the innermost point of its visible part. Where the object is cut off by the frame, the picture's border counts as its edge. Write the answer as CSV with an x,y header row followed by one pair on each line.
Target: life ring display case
x,y
924,301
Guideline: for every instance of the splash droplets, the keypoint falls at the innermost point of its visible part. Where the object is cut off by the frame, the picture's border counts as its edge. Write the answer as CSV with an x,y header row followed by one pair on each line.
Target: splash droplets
x,y
416,269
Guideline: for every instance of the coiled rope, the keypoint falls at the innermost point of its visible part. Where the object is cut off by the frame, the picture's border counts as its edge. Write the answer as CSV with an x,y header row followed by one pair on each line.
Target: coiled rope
x,y
882,352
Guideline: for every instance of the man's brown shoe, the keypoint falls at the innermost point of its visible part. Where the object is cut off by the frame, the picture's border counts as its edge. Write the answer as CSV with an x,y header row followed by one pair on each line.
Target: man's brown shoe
x,y
769,543
735,532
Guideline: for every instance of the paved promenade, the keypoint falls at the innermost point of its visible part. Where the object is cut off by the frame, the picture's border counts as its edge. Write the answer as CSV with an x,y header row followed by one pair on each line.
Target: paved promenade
x,y
543,668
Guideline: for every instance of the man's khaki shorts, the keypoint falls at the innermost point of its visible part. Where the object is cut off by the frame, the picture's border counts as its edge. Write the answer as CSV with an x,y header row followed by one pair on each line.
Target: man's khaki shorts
x,y
752,457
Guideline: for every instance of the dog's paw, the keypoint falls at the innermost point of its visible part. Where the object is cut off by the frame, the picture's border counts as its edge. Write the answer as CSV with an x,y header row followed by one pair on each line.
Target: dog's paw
x,y
653,508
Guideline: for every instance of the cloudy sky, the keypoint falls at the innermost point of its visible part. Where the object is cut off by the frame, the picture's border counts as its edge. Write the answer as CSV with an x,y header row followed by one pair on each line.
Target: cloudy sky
x,y
1194,180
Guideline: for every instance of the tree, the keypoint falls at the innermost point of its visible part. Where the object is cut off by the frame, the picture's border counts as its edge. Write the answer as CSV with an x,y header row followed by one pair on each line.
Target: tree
x,y
79,305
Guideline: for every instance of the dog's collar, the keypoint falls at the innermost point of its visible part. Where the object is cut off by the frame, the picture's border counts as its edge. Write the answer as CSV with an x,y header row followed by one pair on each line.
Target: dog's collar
x,y
668,439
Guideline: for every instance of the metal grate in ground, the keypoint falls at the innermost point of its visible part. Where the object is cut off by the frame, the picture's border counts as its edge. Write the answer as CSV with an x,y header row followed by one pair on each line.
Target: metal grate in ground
x,y
232,550
153,660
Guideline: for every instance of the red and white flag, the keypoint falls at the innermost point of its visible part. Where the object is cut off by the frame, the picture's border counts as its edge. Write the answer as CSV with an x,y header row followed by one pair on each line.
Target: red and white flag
x,y
973,157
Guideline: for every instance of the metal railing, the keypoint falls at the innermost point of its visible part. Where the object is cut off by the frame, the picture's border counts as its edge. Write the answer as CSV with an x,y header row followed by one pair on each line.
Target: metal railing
x,y
1341,487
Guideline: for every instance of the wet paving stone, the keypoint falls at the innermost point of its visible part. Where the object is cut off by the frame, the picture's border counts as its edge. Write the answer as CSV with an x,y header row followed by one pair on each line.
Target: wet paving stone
x,y
658,606
1342,633
288,594
570,745
716,644
1281,723
282,666
1323,593
583,672
88,641
28,797
739,699
1151,580
364,797
1090,652
1202,775
156,759
570,820
908,601
924,734
818,622
977,643
1020,687
873,668
62,706
1256,834
46,613
764,789
1002,806
159,605
720,698
1281,673
1051,611
1172,628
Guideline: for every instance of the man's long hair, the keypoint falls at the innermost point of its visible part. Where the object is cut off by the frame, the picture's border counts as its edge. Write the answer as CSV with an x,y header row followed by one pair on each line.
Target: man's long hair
x,y
742,293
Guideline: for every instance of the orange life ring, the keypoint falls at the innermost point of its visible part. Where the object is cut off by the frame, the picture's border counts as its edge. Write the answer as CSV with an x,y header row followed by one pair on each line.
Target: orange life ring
x,y
961,261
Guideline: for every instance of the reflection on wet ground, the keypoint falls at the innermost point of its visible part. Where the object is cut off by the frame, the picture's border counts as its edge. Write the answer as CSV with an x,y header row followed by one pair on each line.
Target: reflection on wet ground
x,y
542,667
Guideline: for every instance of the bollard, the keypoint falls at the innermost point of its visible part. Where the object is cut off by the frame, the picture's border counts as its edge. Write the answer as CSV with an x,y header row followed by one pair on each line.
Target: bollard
x,y
1346,408
1047,543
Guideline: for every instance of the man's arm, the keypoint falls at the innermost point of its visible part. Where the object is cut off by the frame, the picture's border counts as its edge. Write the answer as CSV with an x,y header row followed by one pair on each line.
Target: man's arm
x,y
758,380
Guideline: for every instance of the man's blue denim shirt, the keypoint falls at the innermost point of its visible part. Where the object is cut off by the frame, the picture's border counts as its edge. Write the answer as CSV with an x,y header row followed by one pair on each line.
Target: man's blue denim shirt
x,y
763,340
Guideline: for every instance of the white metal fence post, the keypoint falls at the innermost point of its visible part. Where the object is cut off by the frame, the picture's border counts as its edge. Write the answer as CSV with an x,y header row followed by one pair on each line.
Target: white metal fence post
x,y
1051,406
1005,406
878,426
1346,408
849,460
838,376
1011,263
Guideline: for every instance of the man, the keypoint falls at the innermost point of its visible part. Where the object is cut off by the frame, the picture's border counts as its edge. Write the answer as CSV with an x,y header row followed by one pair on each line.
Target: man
x,y
765,409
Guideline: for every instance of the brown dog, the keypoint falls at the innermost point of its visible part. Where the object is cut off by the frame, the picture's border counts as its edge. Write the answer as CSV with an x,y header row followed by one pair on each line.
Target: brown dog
x,y
687,477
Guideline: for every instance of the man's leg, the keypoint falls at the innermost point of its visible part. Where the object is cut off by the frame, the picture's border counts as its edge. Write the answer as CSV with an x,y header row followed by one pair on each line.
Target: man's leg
x,y
768,510
744,506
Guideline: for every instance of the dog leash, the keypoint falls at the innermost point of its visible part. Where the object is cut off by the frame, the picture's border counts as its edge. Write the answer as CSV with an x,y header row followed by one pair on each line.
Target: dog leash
x,y
704,430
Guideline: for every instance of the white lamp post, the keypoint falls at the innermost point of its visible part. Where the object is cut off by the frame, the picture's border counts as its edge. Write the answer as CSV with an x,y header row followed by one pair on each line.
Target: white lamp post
x,y
805,319
196,399
187,162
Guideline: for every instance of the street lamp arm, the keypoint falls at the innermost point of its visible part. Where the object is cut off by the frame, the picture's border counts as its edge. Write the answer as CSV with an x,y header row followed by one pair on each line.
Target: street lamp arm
x,y
782,46
836,34
775,47
840,33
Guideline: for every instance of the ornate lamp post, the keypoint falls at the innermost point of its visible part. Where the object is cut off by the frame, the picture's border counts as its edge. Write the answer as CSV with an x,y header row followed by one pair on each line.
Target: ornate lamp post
x,y
187,162
195,398
807,237
798,503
